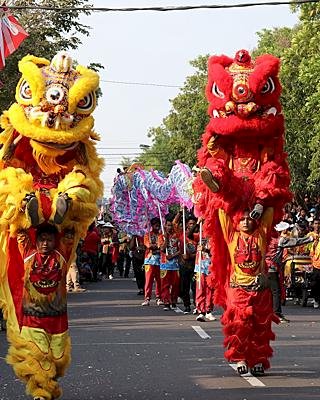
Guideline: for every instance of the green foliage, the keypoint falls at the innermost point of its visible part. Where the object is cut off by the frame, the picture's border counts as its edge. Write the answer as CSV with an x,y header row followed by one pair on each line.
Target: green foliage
x,y
299,50
179,135
49,32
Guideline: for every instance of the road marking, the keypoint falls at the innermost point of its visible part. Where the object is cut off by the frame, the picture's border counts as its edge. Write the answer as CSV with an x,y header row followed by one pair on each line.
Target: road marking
x,y
249,377
178,310
201,332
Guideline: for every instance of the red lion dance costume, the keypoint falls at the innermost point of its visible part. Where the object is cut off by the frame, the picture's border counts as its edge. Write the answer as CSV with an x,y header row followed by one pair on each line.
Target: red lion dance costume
x,y
242,166
49,179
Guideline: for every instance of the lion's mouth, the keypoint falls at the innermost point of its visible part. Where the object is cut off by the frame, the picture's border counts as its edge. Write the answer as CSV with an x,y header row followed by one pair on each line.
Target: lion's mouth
x,y
58,146
45,284
245,111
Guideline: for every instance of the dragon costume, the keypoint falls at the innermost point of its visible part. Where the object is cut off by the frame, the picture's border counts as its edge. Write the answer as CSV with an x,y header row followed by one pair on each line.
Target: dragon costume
x,y
48,160
242,167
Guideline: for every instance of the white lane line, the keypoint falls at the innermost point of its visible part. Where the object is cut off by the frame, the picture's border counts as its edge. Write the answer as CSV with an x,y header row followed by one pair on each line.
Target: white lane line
x,y
248,377
178,310
201,332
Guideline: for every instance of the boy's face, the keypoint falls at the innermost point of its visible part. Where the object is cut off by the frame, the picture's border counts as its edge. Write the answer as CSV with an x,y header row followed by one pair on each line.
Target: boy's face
x,y
46,243
190,224
246,224
155,227
169,227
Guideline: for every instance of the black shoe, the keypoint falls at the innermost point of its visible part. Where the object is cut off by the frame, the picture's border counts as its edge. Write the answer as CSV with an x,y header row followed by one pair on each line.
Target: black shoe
x,y
187,310
166,307
140,293
33,209
283,319
62,206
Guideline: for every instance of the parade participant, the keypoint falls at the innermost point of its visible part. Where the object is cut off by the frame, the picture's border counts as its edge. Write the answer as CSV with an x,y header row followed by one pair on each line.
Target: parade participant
x,y
48,159
169,245
275,263
73,278
124,260
187,261
109,241
152,263
298,260
204,284
90,246
248,315
44,342
137,249
315,254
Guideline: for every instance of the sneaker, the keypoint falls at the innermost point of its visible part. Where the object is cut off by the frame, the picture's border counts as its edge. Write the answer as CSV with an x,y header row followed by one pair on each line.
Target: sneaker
x,y
110,276
187,310
174,306
283,319
195,312
166,307
201,318
140,293
79,290
209,316
315,304
146,302
159,302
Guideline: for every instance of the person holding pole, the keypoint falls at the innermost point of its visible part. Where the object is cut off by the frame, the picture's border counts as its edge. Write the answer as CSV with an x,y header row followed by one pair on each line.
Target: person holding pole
x,y
188,241
169,244
152,263
204,289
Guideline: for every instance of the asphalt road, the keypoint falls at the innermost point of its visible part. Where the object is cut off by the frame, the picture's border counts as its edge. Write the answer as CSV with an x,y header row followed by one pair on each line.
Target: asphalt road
x,y
127,352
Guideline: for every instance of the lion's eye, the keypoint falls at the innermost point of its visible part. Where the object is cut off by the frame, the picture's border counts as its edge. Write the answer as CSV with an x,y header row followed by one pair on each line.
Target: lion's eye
x,y
87,103
55,94
25,91
216,91
268,87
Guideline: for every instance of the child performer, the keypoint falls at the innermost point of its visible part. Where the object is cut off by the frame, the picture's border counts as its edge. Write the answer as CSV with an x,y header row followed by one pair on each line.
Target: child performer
x,y
204,289
169,245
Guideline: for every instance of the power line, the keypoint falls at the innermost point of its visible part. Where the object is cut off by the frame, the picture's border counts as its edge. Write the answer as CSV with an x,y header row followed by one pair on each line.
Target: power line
x,y
166,8
141,84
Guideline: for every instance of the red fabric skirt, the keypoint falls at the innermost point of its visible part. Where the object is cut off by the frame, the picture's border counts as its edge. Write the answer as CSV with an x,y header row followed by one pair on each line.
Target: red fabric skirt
x,y
247,326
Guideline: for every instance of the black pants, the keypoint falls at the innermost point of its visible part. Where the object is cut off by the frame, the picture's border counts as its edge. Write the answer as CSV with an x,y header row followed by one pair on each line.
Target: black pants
x,y
107,266
186,280
275,287
315,284
138,272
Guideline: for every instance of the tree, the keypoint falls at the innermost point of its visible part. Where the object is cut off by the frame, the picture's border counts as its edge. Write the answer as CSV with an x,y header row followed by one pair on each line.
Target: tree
x,y
49,32
299,49
179,136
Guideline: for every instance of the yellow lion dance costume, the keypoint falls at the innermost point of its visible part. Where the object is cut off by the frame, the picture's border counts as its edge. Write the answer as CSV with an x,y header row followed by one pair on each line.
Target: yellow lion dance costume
x,y
49,177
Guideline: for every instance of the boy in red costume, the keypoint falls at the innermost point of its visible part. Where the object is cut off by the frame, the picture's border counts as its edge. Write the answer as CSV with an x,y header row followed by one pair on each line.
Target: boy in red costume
x,y
249,313
43,319
152,263
169,245
204,284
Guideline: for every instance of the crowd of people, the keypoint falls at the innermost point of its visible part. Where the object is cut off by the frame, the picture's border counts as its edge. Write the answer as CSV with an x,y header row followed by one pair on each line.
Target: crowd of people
x,y
178,265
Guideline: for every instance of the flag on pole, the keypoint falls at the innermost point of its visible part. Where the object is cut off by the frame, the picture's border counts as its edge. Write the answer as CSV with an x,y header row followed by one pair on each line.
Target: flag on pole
x,y
11,34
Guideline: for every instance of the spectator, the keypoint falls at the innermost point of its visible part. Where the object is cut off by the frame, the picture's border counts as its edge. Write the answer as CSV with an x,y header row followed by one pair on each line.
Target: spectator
x,y
90,246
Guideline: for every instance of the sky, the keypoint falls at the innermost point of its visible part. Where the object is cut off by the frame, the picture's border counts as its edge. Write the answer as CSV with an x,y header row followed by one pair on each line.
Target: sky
x,y
156,47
